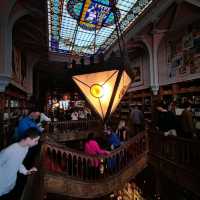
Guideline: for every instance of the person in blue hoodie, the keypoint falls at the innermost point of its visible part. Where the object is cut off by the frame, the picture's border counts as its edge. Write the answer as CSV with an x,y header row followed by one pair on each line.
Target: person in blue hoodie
x,y
113,139
114,142
26,122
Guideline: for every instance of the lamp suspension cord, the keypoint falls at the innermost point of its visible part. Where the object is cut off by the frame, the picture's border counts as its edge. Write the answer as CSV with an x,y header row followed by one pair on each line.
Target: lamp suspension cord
x,y
118,30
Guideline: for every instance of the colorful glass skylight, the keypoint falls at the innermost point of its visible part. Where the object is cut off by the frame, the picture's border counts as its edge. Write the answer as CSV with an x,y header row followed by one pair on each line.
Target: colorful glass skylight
x,y
88,26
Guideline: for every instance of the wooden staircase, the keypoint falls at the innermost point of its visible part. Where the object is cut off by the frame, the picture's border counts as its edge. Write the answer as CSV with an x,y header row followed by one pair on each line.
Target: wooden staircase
x,y
67,172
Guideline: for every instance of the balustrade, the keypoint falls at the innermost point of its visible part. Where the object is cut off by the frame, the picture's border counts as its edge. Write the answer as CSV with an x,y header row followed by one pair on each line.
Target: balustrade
x,y
183,152
78,165
67,126
66,169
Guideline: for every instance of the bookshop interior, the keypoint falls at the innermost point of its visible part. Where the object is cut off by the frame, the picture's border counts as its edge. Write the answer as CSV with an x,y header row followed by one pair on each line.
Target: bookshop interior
x,y
99,99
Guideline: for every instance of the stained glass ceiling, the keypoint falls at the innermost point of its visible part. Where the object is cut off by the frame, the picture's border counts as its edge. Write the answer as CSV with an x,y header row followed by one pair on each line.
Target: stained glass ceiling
x,y
87,27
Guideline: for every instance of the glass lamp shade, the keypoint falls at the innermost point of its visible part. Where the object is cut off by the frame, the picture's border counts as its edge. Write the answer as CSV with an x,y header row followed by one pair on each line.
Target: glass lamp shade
x,y
121,90
98,89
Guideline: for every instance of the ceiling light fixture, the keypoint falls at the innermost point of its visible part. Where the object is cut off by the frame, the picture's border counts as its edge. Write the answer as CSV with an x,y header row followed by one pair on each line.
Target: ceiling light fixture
x,y
105,89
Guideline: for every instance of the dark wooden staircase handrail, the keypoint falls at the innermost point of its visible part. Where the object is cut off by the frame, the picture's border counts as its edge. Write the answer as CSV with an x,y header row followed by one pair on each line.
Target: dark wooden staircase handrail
x,y
68,172
62,131
184,152
68,125
60,159
178,158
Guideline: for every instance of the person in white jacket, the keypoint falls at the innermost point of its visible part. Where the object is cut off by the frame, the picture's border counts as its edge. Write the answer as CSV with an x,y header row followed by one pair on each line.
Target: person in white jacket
x,y
11,159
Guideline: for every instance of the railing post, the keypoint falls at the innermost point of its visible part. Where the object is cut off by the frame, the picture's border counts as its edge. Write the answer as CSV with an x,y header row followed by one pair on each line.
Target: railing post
x,y
47,128
147,141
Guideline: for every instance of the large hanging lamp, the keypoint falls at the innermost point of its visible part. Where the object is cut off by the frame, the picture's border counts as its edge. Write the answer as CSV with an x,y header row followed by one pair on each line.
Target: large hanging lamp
x,y
105,89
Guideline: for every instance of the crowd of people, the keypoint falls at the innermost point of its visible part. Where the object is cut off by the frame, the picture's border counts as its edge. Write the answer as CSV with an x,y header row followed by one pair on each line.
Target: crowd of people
x,y
113,140
169,123
72,114
18,157
168,119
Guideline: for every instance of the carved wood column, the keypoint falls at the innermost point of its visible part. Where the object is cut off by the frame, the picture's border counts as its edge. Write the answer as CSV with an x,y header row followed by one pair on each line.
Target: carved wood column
x,y
152,42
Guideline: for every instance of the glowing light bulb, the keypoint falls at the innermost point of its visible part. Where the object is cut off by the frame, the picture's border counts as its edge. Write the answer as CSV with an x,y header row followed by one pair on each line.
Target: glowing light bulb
x,y
97,91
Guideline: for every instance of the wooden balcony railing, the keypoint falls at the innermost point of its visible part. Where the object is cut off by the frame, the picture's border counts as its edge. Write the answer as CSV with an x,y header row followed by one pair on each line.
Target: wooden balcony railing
x,y
65,171
184,152
78,165
68,172
68,126
177,158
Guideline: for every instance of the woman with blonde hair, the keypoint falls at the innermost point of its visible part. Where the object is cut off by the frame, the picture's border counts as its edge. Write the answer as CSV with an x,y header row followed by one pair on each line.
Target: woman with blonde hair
x,y
122,130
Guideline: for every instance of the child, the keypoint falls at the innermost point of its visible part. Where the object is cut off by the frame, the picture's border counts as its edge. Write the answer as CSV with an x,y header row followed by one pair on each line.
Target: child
x,y
11,159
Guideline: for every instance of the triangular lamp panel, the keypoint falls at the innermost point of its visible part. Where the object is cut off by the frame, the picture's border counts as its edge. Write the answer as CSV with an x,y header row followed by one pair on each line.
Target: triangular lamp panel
x,y
121,90
92,78
92,100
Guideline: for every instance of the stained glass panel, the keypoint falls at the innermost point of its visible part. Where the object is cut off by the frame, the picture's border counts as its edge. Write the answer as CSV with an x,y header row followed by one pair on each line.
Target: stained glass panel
x,y
76,25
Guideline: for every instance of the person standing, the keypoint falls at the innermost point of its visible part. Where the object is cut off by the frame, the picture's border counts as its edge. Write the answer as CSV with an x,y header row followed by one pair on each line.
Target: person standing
x,y
112,139
187,125
166,121
11,159
92,148
137,118
74,116
122,131
114,142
